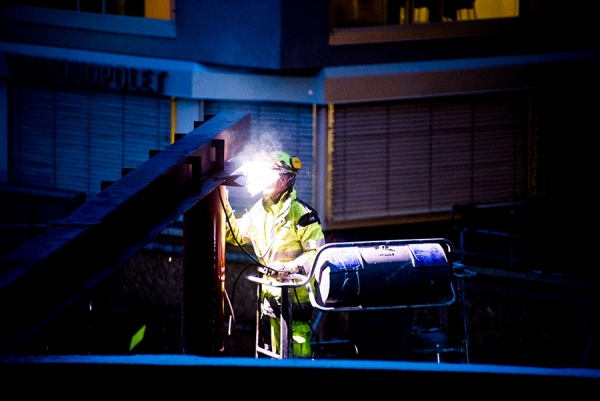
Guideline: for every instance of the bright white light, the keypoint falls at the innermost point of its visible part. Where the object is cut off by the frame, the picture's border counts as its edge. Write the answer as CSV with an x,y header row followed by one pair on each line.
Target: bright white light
x,y
258,175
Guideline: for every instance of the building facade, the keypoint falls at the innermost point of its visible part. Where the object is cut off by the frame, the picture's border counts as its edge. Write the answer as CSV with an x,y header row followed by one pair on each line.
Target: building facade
x,y
401,112
398,112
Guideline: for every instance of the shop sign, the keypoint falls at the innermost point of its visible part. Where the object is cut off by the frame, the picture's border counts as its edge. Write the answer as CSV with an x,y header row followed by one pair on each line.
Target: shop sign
x,y
84,75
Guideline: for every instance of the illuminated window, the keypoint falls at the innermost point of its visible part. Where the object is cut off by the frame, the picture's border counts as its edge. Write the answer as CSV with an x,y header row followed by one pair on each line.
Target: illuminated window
x,y
155,9
363,13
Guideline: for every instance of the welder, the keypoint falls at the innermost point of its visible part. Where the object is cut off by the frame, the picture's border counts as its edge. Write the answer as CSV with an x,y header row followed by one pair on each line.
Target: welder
x,y
285,233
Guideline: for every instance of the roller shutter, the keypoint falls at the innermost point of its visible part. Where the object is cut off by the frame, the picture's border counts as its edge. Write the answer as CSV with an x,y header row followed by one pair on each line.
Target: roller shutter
x,y
407,158
74,140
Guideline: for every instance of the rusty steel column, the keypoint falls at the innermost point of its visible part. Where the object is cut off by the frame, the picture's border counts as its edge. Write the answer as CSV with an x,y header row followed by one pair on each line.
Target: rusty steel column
x,y
203,303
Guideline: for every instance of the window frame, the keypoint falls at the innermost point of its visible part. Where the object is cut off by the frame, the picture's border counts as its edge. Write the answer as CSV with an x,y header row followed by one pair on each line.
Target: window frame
x,y
121,24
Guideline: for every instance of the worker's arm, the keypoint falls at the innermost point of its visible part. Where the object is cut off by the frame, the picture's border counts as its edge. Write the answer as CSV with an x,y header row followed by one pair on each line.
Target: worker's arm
x,y
312,238
235,227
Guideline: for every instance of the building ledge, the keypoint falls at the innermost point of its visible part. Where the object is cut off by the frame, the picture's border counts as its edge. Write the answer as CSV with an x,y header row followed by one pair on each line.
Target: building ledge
x,y
92,22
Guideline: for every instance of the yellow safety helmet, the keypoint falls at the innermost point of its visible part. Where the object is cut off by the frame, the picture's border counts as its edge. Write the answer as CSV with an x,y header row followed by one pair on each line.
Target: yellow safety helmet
x,y
283,162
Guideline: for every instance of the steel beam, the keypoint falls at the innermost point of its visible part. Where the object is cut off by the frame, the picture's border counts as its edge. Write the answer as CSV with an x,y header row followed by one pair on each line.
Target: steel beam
x,y
42,277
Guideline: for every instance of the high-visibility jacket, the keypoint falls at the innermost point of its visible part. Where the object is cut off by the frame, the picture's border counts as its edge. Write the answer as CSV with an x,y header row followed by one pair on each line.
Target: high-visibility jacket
x,y
288,230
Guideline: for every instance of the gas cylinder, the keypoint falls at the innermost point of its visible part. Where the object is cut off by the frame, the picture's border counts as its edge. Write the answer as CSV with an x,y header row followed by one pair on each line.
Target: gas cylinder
x,y
383,274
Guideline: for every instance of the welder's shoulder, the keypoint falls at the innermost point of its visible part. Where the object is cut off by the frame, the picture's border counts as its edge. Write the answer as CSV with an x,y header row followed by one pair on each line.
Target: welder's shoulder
x,y
307,214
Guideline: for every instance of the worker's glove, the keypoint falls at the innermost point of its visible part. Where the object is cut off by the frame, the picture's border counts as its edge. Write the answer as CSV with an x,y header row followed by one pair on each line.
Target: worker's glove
x,y
282,269
228,210
225,195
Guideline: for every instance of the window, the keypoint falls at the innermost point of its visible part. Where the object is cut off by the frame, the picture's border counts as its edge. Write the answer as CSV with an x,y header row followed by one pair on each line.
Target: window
x,y
362,13
155,9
